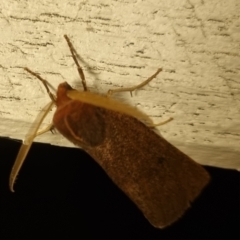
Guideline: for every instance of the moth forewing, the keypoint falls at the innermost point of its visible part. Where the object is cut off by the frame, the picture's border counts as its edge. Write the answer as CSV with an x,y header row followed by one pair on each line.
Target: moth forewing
x,y
27,142
160,179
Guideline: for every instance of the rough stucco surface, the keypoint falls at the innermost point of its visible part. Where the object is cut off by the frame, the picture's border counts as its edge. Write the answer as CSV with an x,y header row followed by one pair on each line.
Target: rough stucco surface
x,y
121,43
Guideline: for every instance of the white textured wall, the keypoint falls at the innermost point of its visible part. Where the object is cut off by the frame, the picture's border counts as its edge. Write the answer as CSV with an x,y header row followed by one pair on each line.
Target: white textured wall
x,y
196,42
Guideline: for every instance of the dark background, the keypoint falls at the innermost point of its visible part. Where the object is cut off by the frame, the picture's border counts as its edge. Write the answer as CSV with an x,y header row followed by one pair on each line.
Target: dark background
x,y
62,193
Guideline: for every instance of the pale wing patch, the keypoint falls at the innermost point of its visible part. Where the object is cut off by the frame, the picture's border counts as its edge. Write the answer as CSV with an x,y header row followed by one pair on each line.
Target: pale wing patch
x,y
108,103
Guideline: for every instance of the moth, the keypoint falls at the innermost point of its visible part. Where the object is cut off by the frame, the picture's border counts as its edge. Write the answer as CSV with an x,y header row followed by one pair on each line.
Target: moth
x,y
160,179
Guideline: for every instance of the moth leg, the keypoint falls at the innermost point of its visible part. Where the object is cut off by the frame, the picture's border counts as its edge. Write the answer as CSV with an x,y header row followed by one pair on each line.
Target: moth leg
x,y
152,125
45,83
48,128
131,89
26,145
80,71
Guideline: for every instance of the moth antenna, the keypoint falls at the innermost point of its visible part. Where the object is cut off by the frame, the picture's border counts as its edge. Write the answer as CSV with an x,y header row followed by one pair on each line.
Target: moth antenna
x,y
80,71
45,83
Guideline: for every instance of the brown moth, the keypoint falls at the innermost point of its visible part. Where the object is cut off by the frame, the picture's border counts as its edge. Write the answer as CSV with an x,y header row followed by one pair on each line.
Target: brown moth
x,y
160,179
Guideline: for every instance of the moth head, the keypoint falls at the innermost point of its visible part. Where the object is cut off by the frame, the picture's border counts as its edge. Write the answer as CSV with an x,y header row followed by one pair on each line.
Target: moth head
x,y
62,97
